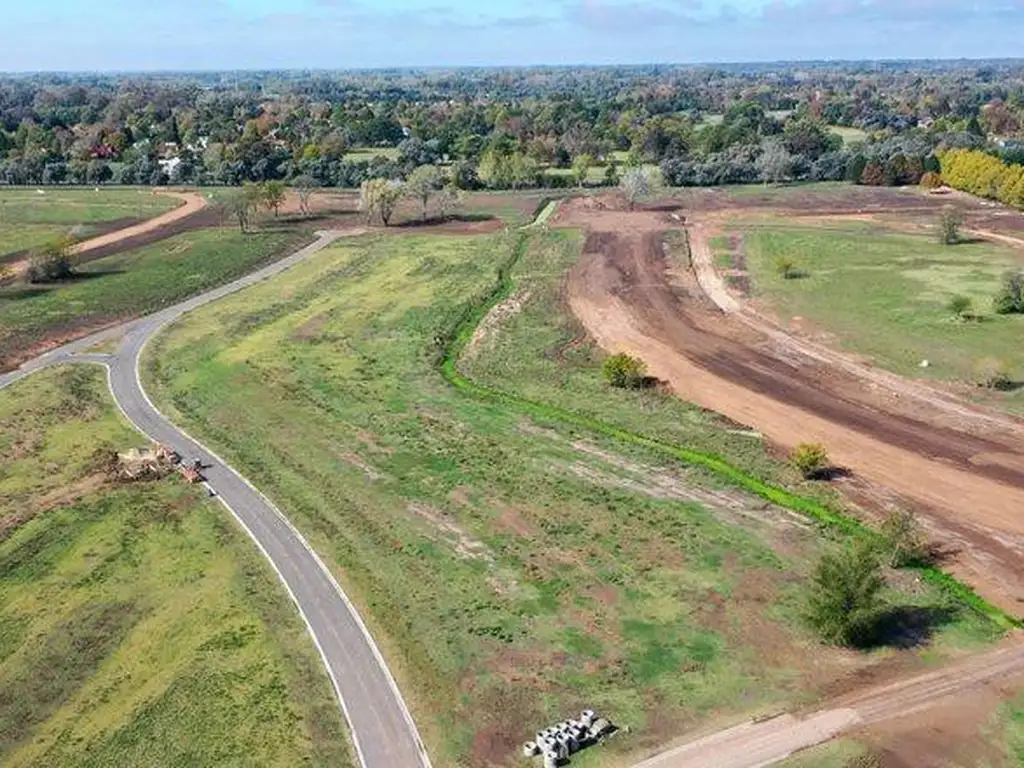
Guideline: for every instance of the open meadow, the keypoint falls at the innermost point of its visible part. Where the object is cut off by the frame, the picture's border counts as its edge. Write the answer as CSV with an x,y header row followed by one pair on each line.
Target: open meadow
x,y
138,625
515,567
28,219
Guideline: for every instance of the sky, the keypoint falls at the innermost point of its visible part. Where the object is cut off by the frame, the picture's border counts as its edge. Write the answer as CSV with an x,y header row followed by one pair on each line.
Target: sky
x,y
326,34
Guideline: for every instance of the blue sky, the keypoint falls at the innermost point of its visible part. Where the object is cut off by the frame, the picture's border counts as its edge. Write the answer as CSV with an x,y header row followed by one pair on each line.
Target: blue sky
x,y
248,34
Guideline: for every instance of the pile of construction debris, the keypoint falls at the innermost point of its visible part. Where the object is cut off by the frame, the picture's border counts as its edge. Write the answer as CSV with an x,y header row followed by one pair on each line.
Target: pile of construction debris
x,y
153,464
556,743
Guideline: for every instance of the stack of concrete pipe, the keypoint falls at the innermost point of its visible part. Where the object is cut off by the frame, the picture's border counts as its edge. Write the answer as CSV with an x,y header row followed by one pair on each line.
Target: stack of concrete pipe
x,y
556,743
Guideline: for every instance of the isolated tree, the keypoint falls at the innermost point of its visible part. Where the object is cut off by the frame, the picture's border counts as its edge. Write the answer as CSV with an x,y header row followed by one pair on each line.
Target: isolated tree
x,y
239,205
52,261
787,267
624,371
447,199
960,306
304,187
636,183
774,164
810,458
378,198
950,221
581,168
422,183
845,594
992,373
273,195
1010,299
904,540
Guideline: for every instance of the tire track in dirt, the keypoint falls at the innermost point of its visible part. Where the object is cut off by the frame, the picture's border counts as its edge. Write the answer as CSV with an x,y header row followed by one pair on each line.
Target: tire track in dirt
x,y
627,295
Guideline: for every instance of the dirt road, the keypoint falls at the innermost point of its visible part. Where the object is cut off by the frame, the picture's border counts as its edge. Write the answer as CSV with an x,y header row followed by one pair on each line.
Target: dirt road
x,y
752,745
193,203
632,297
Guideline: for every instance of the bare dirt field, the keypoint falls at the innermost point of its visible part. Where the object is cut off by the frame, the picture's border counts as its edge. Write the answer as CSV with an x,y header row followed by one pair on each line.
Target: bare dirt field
x,y
962,469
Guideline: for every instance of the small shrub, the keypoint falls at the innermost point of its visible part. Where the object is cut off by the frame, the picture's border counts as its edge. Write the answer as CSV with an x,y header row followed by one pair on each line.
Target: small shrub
x,y
810,458
931,180
1010,299
904,540
52,262
991,373
960,306
950,222
787,268
625,371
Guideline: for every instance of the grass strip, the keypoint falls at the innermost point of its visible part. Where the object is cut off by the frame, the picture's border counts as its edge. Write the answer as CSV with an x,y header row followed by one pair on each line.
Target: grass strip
x,y
452,343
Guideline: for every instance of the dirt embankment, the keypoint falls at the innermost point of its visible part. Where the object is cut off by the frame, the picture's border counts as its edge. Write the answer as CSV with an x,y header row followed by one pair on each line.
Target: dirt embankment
x,y
968,482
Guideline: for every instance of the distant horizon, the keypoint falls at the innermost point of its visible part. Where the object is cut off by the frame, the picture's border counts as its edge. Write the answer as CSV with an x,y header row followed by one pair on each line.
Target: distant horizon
x,y
536,65
141,36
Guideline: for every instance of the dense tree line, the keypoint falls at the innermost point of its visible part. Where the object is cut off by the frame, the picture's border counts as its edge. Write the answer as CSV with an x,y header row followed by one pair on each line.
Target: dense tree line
x,y
982,174
507,128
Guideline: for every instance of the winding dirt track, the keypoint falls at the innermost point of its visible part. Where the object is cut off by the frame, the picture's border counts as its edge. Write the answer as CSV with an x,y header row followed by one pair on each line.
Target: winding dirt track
x,y
193,203
968,482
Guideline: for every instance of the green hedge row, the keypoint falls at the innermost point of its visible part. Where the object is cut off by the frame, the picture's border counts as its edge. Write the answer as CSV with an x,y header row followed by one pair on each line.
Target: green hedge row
x,y
453,343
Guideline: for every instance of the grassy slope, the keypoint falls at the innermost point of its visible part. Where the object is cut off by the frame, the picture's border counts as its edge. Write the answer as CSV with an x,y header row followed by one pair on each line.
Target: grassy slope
x,y
885,294
28,219
511,577
134,282
138,625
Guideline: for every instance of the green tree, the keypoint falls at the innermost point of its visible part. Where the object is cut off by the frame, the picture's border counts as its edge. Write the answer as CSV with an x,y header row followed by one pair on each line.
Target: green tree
x,y
624,371
845,594
304,188
581,168
378,198
960,306
52,261
273,195
787,267
950,221
637,183
447,199
775,164
1010,299
423,182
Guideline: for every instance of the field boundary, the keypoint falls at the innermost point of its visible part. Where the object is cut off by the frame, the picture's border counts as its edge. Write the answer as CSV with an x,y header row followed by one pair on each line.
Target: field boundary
x,y
452,342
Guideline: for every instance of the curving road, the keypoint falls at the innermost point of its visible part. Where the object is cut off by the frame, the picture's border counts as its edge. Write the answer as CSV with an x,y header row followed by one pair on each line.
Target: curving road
x,y
383,731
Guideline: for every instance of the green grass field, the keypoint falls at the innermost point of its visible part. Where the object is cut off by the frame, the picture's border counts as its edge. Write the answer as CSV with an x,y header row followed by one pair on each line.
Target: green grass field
x,y
885,294
364,154
514,570
138,624
133,282
28,219
849,135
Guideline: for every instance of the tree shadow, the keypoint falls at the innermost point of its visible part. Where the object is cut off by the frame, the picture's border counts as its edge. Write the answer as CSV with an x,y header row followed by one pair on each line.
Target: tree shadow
x,y
905,627
828,474
797,274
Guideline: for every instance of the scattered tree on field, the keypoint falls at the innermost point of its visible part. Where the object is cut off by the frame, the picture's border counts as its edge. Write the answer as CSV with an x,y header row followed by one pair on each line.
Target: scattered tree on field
x,y
52,261
273,195
304,186
991,373
904,540
637,183
774,164
238,203
581,168
1010,299
845,594
950,221
611,174
810,458
378,198
423,182
447,199
624,371
960,306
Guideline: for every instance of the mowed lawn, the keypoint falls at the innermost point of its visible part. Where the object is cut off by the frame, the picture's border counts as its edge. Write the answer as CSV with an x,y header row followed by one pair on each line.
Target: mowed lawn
x,y
138,625
134,282
28,219
513,571
886,294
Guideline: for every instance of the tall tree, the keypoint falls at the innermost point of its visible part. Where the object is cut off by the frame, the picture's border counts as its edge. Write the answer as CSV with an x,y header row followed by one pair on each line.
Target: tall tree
x,y
378,198
422,183
273,195
845,594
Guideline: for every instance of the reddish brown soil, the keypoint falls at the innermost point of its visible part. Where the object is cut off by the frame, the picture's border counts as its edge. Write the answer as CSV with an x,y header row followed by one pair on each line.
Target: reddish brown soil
x,y
630,297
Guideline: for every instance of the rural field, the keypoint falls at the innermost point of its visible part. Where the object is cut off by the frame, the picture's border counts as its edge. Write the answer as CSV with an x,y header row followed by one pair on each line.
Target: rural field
x,y
138,625
514,564
29,219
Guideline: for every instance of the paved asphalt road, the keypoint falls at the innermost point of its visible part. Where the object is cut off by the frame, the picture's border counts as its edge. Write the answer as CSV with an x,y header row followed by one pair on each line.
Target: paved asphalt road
x,y
382,728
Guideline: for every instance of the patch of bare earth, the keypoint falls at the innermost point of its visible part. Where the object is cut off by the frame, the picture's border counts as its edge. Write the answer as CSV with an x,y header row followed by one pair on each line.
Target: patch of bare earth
x,y
500,314
61,497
